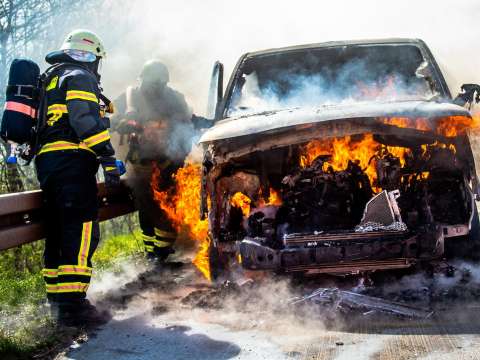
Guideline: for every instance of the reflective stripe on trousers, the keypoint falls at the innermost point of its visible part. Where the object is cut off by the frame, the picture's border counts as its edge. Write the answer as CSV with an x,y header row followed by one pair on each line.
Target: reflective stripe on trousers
x,y
73,278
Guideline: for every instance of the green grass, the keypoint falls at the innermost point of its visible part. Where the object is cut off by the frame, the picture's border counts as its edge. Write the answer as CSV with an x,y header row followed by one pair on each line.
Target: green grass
x,y
34,337
25,326
116,247
21,290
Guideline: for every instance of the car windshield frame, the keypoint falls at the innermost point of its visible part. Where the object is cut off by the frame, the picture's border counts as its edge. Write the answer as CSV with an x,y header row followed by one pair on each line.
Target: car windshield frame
x,y
424,64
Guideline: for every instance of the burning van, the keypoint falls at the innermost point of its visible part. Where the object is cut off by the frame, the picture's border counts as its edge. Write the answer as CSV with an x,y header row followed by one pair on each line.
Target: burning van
x,y
337,158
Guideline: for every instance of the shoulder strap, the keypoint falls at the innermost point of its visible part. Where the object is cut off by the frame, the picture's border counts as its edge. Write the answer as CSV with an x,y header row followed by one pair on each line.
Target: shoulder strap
x,y
43,81
55,67
52,69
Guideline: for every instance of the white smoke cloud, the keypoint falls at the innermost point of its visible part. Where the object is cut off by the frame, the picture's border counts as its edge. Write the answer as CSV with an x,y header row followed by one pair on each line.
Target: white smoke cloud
x,y
190,35
355,81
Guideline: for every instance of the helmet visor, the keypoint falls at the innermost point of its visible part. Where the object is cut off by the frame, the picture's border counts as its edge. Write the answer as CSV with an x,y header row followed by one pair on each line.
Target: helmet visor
x,y
81,55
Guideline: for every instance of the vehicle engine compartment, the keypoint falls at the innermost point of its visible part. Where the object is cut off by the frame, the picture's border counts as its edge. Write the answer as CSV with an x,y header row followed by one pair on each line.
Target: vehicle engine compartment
x,y
343,204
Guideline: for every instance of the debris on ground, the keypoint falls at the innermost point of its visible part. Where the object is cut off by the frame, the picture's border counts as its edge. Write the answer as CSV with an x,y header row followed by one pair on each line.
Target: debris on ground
x,y
160,278
336,300
159,309
212,298
415,296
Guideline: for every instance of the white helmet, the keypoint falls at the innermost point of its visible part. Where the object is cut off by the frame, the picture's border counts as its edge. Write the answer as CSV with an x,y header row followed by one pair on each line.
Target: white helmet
x,y
82,44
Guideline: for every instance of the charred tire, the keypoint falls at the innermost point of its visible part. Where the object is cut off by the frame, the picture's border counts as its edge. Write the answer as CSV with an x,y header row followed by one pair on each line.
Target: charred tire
x,y
465,247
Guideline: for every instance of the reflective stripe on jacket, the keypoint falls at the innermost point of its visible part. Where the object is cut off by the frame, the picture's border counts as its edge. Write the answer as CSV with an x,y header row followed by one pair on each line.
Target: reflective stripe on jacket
x,y
73,114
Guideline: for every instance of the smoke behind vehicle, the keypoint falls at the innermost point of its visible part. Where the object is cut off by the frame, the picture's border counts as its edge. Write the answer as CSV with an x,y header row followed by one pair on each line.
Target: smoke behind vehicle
x,y
189,36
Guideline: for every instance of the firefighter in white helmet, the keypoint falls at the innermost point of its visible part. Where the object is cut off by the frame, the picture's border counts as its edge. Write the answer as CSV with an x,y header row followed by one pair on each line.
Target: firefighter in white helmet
x,y
73,142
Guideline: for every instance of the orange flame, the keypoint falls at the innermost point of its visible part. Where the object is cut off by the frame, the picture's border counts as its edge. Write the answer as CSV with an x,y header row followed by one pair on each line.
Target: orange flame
x,y
181,205
343,150
424,175
438,145
274,198
404,122
456,125
398,152
449,126
241,201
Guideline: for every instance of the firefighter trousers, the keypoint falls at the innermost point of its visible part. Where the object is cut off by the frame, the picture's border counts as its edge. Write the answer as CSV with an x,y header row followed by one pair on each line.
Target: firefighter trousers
x,y
158,233
71,210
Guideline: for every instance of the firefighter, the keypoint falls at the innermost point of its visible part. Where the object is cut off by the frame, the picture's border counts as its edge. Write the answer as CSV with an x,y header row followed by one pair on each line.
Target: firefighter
x,y
73,142
156,122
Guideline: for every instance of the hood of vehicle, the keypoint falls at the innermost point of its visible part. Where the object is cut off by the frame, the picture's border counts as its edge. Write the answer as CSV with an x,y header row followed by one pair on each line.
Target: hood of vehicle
x,y
271,120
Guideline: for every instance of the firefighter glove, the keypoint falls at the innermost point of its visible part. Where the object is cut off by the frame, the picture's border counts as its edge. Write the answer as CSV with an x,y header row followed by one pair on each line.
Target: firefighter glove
x,y
121,167
128,126
110,171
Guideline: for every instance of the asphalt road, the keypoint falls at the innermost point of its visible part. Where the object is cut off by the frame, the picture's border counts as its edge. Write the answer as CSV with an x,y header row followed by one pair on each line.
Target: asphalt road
x,y
152,321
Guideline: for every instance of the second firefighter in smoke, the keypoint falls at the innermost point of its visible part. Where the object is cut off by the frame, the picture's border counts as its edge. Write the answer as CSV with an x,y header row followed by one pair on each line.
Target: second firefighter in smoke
x,y
155,122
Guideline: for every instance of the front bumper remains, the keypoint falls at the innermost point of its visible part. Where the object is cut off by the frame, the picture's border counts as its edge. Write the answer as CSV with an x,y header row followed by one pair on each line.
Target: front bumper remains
x,y
344,252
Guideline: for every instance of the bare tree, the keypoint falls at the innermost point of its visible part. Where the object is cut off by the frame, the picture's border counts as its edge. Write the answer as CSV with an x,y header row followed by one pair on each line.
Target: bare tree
x,y
30,28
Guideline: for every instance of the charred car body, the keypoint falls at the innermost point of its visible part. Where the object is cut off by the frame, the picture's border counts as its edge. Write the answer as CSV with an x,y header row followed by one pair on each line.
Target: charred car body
x,y
337,158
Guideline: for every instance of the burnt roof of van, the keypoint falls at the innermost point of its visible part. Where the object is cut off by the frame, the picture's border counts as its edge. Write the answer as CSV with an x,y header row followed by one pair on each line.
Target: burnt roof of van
x,y
390,41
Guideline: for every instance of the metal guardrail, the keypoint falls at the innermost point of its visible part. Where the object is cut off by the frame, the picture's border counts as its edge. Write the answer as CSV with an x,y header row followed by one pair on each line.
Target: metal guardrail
x,y
21,218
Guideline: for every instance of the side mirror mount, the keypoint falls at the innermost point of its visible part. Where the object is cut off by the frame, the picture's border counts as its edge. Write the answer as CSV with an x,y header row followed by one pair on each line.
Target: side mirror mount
x,y
424,71
469,94
215,93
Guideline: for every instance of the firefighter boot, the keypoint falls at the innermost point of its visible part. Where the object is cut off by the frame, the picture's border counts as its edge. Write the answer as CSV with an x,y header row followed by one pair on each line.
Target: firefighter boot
x,y
81,313
159,257
163,253
163,244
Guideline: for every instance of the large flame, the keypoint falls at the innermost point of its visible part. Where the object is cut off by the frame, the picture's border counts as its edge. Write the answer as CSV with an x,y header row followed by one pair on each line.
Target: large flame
x,y
342,150
181,205
345,149
456,125
449,126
